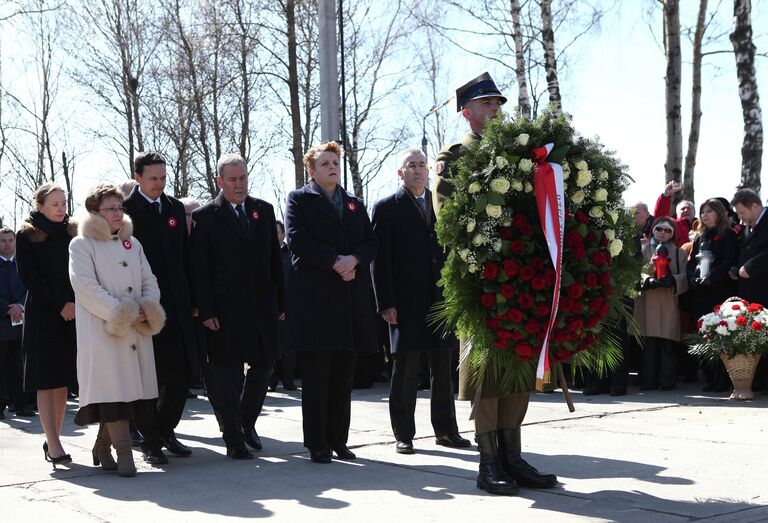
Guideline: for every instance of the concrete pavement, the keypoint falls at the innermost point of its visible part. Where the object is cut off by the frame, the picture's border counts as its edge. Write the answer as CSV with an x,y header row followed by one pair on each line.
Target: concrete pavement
x,y
652,456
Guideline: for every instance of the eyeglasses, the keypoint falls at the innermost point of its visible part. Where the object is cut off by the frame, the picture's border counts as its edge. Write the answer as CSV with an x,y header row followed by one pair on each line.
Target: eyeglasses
x,y
115,210
666,230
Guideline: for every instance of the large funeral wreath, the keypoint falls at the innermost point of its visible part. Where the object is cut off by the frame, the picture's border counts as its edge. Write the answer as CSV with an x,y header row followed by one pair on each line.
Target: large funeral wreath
x,y
499,279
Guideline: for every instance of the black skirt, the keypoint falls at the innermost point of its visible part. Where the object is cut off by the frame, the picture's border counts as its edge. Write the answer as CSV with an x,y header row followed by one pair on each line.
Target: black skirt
x,y
114,411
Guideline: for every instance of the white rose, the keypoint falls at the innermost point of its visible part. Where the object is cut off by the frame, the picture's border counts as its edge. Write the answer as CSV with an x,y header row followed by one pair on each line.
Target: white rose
x,y
474,187
581,165
602,175
614,216
610,234
501,162
523,139
472,268
517,185
497,246
596,212
601,195
577,197
583,178
500,185
471,225
479,240
615,247
528,187
494,211
722,330
525,165
464,254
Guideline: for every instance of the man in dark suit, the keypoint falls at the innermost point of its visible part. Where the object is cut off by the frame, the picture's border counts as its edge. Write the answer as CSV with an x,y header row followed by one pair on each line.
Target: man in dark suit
x,y
159,224
238,286
405,274
12,297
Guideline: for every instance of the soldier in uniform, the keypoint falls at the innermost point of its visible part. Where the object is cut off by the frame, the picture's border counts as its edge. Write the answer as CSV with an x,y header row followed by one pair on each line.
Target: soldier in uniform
x,y
498,416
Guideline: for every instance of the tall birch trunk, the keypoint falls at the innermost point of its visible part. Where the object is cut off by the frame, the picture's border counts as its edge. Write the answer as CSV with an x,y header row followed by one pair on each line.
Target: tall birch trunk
x,y
674,164
550,62
744,49
523,101
293,90
693,134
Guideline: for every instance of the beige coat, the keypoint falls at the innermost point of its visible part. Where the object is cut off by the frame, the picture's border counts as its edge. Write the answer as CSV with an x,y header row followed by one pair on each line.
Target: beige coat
x,y
112,281
656,310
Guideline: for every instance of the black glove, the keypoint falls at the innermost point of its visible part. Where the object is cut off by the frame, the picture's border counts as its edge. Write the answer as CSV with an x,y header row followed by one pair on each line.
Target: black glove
x,y
693,281
667,281
650,283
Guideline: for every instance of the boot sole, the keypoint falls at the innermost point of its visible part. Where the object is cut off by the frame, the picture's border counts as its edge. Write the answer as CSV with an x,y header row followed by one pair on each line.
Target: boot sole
x,y
499,492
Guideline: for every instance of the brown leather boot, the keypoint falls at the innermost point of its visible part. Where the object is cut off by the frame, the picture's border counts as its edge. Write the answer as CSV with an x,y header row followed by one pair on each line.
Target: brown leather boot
x,y
121,440
102,454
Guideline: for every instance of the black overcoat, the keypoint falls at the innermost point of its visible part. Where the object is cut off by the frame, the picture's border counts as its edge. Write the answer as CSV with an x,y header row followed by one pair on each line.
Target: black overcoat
x,y
166,244
406,271
237,277
11,291
323,311
753,256
49,345
725,249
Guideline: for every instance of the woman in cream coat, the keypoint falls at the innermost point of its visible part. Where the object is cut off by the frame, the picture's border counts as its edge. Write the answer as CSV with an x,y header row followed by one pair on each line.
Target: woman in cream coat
x,y
118,312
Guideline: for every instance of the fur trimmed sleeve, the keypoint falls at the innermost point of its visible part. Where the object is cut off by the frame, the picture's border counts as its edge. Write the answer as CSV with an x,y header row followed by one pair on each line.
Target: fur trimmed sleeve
x,y
155,317
121,318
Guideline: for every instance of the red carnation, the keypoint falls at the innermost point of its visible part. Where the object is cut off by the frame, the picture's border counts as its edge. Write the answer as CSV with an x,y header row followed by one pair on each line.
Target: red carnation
x,y
517,247
507,290
723,323
735,307
505,233
537,264
581,217
519,219
741,321
532,326
492,323
575,291
488,300
538,283
511,268
490,271
514,315
523,350
605,278
525,300
755,307
590,280
542,309
757,326
527,273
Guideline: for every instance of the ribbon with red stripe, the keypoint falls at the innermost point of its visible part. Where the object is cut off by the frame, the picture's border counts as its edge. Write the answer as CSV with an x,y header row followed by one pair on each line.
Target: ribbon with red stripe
x,y
550,201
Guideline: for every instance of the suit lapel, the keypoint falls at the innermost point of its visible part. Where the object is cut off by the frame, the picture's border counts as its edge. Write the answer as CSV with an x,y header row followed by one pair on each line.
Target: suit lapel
x,y
321,201
227,216
410,208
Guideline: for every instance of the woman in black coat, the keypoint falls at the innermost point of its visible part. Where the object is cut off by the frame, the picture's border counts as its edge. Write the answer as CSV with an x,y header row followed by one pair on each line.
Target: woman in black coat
x,y
715,236
48,342
328,307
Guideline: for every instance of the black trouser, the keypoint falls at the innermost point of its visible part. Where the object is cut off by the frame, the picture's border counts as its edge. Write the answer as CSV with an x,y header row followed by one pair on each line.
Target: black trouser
x,y
402,393
169,407
236,397
326,397
659,363
12,376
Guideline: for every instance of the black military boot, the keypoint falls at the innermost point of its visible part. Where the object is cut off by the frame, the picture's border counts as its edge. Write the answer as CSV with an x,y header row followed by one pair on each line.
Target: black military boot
x,y
491,477
515,466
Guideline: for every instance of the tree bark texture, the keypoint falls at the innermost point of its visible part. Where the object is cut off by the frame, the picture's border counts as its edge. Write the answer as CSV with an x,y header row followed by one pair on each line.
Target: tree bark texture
x,y
674,164
293,90
550,62
693,134
523,100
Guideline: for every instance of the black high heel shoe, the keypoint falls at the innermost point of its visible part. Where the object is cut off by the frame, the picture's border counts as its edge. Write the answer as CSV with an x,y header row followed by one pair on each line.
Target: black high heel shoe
x,y
64,459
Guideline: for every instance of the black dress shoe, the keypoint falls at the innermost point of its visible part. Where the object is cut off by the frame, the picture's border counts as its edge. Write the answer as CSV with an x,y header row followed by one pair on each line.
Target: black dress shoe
x,y
25,411
618,392
290,386
404,447
239,452
153,455
136,439
174,446
252,439
343,452
320,456
527,476
452,440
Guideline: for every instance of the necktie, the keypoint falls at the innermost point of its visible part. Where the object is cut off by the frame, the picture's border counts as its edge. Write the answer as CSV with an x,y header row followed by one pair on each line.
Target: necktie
x,y
421,201
241,217
156,206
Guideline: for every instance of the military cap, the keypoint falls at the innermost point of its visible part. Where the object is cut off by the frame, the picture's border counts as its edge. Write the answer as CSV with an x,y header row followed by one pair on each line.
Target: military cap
x,y
480,87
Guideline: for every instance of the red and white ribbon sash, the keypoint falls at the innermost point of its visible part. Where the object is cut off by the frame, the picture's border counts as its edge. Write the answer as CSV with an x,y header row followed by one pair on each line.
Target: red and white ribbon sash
x,y
550,200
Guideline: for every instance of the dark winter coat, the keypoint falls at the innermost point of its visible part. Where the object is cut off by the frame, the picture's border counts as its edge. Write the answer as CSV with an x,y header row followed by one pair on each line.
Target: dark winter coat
x,y
166,244
406,271
721,287
48,342
237,277
753,256
11,291
324,312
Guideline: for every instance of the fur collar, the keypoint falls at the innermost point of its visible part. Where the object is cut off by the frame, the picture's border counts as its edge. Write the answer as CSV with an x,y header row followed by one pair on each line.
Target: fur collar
x,y
37,235
95,227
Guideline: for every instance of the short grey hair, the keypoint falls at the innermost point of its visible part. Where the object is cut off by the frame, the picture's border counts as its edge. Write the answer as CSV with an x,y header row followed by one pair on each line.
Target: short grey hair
x,y
189,202
230,159
403,156
640,206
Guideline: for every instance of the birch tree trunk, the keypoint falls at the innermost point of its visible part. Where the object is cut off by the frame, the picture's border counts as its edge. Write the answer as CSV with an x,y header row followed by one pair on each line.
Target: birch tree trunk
x,y
550,62
744,49
693,134
674,164
523,101
293,90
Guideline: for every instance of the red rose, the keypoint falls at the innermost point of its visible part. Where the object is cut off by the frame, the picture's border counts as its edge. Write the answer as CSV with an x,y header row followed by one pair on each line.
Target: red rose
x,y
523,349
575,324
527,273
490,271
537,264
517,247
507,290
741,321
607,291
595,304
604,241
516,336
581,217
514,315
755,307
591,238
605,278
550,276
565,304
538,283
519,219
560,336
505,233
591,322
532,326
525,230
575,291
573,238
525,300
511,268
590,280
735,307
579,252
563,355
756,326
503,334
488,300
605,309
500,344
723,323
492,323
542,309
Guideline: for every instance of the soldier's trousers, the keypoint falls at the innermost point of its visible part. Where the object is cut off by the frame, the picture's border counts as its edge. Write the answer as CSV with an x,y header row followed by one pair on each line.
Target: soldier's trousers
x,y
500,413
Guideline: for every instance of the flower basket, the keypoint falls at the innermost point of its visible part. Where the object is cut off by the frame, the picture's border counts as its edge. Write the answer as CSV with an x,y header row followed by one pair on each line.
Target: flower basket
x,y
741,368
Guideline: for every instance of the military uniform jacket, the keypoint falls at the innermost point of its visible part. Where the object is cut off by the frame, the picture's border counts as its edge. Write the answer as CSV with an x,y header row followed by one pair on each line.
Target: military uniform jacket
x,y
406,271
166,244
237,277
445,167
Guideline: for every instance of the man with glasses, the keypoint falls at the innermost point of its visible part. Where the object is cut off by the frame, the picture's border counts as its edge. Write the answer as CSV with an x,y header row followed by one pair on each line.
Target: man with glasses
x,y
159,224
686,212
